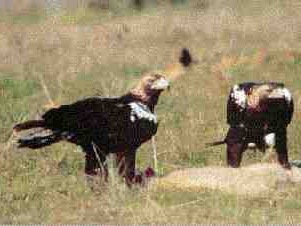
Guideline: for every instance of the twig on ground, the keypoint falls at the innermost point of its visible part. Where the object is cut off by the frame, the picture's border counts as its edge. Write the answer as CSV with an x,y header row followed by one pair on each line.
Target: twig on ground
x,y
185,204
9,142
46,90
95,149
155,154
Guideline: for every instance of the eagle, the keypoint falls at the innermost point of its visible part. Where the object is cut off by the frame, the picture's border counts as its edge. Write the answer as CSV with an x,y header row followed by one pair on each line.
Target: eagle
x,y
104,125
258,113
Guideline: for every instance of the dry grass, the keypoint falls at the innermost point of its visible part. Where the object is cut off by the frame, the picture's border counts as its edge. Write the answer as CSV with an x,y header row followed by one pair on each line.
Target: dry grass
x,y
253,180
83,54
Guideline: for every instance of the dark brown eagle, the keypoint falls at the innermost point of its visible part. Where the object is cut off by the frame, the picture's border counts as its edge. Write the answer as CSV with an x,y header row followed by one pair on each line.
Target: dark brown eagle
x,y
105,125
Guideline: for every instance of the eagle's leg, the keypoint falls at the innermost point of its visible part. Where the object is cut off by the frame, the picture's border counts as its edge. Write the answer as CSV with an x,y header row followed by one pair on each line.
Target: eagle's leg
x,y
120,162
130,158
139,177
281,148
93,162
236,145
261,147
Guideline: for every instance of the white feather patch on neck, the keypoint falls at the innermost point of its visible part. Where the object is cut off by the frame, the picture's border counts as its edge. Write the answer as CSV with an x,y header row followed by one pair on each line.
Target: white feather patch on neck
x,y
239,96
281,92
141,111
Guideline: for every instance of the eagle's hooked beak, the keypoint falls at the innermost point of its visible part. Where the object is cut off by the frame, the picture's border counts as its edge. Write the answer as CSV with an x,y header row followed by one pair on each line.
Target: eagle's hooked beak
x,y
160,84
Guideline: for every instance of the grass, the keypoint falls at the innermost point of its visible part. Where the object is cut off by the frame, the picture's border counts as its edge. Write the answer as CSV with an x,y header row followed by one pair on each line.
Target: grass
x,y
14,97
23,18
82,53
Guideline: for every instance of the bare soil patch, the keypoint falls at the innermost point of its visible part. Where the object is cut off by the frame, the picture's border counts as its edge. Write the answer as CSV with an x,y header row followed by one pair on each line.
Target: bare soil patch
x,y
254,180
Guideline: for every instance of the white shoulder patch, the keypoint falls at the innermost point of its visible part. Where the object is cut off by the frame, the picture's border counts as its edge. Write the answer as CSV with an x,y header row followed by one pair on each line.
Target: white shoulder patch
x,y
280,93
239,96
141,111
287,94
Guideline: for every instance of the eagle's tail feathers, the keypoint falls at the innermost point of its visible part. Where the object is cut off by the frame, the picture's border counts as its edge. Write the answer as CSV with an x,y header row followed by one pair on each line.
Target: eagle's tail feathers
x,y
35,142
29,125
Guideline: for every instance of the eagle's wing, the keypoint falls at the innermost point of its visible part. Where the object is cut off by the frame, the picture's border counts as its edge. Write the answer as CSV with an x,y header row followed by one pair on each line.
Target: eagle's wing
x,y
88,115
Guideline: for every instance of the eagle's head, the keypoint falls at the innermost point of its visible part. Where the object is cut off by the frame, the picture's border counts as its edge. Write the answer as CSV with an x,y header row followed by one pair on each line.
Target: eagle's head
x,y
150,85
149,88
154,83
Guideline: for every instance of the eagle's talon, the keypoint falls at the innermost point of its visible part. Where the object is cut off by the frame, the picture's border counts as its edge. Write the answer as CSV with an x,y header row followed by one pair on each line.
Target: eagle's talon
x,y
149,172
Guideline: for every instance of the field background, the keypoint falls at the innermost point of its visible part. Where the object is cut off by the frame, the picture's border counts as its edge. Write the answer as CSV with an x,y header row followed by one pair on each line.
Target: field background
x,y
65,54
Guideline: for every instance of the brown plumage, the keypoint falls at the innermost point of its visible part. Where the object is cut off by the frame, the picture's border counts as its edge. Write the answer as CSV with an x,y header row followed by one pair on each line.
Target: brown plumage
x,y
258,113
105,125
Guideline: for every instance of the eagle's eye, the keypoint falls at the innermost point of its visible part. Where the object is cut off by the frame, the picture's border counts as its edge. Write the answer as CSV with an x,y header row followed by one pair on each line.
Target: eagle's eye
x,y
151,80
